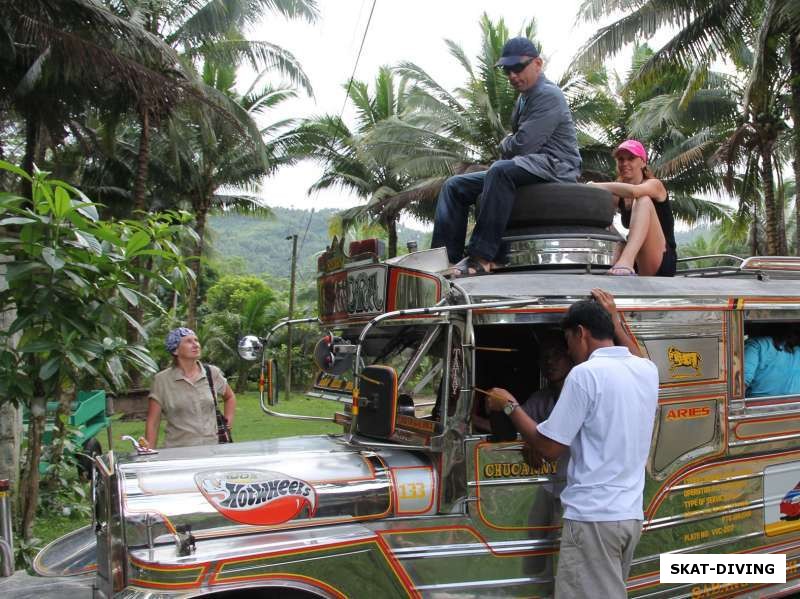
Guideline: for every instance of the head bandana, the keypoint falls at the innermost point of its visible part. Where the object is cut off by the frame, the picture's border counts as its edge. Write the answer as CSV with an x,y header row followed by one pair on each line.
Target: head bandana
x,y
174,338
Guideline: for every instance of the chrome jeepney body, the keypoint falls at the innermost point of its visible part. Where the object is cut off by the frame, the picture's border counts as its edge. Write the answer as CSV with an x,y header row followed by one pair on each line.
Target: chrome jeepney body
x,y
430,506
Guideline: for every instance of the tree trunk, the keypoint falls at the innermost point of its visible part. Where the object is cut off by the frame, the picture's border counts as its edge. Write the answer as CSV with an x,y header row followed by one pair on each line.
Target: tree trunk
x,y
29,489
142,161
140,204
10,415
780,206
60,432
770,209
241,379
391,227
794,83
32,137
754,233
200,218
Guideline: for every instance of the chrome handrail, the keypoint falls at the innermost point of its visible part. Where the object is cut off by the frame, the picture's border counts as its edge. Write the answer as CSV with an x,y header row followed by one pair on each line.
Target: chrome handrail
x,y
265,340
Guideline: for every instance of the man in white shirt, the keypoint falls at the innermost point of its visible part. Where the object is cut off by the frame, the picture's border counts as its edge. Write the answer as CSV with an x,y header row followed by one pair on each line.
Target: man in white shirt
x,y
604,416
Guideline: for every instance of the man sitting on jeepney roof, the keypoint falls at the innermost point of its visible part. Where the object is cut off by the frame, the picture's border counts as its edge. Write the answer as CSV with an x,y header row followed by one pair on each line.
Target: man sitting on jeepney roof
x,y
772,363
541,147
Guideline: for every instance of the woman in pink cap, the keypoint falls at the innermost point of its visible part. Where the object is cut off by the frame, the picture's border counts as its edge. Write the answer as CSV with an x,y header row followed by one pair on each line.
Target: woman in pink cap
x,y
643,203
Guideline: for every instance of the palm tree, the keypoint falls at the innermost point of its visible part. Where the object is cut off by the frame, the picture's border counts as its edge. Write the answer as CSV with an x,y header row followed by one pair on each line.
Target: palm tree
x,y
57,56
214,156
442,133
346,156
677,116
209,30
706,30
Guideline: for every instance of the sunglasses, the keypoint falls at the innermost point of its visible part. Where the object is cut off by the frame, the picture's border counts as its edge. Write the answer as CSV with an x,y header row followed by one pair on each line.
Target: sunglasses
x,y
517,68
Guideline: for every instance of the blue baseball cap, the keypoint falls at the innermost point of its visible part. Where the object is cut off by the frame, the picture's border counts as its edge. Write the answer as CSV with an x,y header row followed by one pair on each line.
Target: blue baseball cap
x,y
174,338
516,51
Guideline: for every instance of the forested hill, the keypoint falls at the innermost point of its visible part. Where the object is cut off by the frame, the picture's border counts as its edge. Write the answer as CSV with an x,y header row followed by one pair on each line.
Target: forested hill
x,y
259,246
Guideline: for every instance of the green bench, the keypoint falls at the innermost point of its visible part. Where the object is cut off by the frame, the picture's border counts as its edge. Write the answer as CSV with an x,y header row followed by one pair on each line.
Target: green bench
x,y
87,417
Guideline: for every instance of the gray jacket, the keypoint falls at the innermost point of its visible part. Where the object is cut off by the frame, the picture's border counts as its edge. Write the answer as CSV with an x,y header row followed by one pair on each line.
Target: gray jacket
x,y
543,141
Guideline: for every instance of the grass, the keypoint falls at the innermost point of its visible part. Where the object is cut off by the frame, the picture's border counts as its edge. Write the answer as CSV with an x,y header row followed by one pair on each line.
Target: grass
x,y
250,424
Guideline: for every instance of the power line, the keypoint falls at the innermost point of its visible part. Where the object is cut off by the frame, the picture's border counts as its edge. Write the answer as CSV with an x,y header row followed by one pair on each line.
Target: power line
x,y
341,111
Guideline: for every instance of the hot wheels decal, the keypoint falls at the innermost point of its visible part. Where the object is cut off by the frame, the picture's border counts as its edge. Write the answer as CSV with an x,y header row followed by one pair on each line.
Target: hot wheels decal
x,y
257,496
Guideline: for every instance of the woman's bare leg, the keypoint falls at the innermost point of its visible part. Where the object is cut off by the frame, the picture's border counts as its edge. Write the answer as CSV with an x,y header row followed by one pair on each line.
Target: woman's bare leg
x,y
646,242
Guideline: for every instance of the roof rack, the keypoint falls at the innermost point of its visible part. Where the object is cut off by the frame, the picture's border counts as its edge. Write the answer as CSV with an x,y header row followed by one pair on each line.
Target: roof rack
x,y
760,267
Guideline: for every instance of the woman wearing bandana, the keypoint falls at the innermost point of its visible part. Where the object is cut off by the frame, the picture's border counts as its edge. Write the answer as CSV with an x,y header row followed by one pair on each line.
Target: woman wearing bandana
x,y
182,393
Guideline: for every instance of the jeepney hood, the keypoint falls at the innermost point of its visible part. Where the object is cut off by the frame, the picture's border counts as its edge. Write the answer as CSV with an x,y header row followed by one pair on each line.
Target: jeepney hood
x,y
224,490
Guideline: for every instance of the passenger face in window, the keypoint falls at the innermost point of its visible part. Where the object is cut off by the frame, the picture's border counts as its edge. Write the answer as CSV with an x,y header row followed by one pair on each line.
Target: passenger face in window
x,y
555,364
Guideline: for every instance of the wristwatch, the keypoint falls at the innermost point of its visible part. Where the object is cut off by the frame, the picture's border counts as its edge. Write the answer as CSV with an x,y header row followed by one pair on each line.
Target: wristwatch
x,y
510,407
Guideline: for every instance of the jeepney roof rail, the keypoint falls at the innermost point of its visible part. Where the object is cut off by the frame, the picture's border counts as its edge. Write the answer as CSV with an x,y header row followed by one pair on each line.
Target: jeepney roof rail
x,y
754,266
731,257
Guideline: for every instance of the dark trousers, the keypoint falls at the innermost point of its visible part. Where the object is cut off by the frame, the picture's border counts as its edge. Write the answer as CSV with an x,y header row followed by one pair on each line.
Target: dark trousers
x,y
498,186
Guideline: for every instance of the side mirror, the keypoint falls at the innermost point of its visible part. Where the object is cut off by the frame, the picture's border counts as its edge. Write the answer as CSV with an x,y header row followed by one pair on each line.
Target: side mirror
x,y
377,401
270,381
250,348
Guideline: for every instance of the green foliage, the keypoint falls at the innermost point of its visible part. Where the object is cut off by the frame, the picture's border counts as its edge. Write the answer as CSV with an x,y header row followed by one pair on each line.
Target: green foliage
x,y
64,492
70,281
237,305
25,551
233,292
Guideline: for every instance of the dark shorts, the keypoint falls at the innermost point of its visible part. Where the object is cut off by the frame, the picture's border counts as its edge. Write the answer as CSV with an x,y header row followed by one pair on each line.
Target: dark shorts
x,y
669,263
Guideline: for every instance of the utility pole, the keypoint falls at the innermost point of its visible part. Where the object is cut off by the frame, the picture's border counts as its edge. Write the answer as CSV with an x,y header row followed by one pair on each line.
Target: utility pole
x,y
291,316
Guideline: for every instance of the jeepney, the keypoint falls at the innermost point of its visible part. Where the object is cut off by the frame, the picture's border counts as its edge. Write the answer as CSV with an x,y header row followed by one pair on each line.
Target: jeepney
x,y
413,499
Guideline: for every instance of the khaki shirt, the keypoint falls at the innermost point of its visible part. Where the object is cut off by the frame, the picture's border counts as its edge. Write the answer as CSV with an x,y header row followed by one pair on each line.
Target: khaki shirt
x,y
188,407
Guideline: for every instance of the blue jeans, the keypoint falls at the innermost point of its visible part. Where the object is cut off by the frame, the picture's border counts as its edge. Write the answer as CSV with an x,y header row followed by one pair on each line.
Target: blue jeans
x,y
498,186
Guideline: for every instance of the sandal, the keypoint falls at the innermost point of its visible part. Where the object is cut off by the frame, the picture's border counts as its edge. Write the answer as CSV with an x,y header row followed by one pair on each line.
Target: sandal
x,y
621,271
467,268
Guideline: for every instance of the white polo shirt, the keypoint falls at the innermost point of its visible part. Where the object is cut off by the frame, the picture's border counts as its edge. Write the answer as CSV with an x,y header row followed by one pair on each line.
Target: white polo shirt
x,y
605,414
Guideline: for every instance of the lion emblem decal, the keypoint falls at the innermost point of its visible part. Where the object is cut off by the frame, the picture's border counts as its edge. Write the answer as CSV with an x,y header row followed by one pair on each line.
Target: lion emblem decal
x,y
684,359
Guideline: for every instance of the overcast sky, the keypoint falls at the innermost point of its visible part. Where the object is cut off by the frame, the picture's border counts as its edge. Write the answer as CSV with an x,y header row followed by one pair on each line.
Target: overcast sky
x,y
410,30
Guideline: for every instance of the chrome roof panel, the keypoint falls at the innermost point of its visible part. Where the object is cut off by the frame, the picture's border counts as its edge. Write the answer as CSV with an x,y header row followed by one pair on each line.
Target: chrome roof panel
x,y
515,285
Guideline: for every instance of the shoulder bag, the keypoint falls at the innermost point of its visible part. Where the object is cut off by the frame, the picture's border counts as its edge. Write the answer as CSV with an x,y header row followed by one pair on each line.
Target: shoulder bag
x,y
223,430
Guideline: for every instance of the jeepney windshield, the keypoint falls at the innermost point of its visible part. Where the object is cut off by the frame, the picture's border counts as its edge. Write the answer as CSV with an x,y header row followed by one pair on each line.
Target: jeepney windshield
x,y
415,352
417,355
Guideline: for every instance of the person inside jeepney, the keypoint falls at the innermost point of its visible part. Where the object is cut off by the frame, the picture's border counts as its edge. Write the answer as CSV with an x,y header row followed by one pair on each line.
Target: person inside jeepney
x,y
542,147
604,417
643,202
186,396
772,363
555,362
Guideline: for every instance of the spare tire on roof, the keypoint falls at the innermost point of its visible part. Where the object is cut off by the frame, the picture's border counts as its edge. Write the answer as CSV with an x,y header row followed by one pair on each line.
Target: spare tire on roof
x,y
562,204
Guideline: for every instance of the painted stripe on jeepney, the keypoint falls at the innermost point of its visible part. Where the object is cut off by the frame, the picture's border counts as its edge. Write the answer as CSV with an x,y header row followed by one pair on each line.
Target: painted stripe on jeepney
x,y
279,576
661,494
157,576
219,576
469,530
754,422
652,579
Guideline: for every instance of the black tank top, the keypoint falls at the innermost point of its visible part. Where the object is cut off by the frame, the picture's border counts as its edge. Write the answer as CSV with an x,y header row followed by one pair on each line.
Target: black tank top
x,y
665,219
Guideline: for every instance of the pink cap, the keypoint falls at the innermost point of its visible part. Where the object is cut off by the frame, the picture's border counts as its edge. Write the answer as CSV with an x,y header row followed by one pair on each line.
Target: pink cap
x,y
634,147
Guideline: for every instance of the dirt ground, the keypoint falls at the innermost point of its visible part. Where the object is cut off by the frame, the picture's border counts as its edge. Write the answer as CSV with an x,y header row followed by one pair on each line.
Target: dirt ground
x,y
24,586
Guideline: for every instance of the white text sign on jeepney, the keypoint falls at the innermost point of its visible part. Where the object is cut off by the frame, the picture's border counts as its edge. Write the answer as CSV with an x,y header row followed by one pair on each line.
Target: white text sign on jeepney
x,y
353,293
